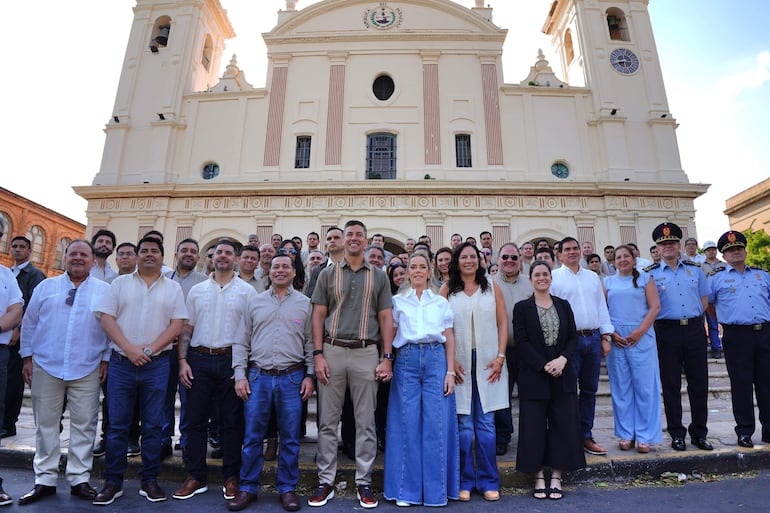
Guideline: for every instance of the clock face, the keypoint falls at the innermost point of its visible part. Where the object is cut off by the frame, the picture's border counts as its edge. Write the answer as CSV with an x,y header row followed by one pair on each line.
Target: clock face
x,y
624,61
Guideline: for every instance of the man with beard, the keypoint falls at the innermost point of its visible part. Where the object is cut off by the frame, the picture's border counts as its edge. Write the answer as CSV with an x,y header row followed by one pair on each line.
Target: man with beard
x,y
103,242
65,357
184,273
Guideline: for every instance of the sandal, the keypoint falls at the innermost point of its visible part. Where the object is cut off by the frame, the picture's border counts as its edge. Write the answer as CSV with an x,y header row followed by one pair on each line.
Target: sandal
x,y
625,444
643,448
540,493
555,493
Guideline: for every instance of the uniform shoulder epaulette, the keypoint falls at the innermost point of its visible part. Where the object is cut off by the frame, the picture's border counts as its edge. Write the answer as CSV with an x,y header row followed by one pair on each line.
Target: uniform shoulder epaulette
x,y
714,271
650,267
690,262
755,268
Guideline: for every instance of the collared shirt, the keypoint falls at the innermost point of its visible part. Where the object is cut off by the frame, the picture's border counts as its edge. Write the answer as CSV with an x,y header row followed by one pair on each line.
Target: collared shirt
x,y
680,290
16,268
513,292
66,341
108,274
740,298
258,283
354,300
188,281
275,333
216,312
585,294
10,294
420,320
707,267
697,258
142,312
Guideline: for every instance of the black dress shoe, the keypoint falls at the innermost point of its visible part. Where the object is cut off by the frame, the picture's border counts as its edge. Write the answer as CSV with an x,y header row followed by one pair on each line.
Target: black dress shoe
x,y
677,443
702,443
501,448
9,432
745,441
290,501
37,493
242,499
83,490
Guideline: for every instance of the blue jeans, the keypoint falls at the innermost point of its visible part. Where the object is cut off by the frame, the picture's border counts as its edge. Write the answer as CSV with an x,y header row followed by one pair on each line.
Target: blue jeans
x,y
169,404
126,383
716,343
421,453
479,425
4,356
587,361
267,391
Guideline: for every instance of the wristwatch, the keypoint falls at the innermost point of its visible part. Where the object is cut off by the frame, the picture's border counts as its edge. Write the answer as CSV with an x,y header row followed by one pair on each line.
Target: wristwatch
x,y
147,351
389,356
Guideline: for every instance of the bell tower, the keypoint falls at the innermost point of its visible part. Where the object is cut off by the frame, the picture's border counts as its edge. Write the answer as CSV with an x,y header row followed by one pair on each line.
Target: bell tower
x,y
608,46
174,48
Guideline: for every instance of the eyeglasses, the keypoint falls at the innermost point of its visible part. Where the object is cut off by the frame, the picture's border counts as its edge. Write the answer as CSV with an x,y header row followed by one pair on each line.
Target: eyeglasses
x,y
210,256
70,297
283,251
510,257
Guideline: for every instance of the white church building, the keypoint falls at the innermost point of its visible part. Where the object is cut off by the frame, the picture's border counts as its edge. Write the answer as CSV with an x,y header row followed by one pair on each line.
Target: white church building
x,y
394,113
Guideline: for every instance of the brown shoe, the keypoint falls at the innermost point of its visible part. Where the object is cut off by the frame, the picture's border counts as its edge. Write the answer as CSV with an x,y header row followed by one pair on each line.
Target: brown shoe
x,y
189,488
230,488
290,501
271,450
83,490
323,494
591,447
152,491
242,499
108,495
37,493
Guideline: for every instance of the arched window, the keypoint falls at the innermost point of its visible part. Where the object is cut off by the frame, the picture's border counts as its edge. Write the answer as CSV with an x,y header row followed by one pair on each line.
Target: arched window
x,y
208,49
617,24
569,49
381,156
60,249
7,228
37,236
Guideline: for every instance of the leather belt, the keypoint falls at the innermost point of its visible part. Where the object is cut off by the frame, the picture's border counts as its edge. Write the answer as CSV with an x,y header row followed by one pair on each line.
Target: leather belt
x,y
212,350
277,372
350,344
158,356
679,322
588,333
754,327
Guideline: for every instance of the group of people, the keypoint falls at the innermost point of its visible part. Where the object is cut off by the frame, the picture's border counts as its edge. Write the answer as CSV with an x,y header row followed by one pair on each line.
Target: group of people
x,y
415,353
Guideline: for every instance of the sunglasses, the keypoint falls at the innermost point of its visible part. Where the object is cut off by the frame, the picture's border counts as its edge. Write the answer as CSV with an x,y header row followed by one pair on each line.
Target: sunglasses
x,y
284,251
70,297
510,257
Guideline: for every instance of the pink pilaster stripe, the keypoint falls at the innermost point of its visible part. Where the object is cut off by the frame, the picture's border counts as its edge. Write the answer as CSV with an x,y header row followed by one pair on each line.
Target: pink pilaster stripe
x,y
432,117
492,115
275,117
628,234
436,234
334,117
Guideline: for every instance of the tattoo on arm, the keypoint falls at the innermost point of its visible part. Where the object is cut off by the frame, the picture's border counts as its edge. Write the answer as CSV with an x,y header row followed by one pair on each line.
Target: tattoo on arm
x,y
184,343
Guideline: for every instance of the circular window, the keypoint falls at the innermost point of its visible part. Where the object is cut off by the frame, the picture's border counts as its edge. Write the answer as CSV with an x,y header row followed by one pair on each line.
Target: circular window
x,y
383,87
559,170
210,171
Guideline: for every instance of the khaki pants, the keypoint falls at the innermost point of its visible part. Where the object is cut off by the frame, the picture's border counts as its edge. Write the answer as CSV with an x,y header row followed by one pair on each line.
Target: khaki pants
x,y
352,368
48,395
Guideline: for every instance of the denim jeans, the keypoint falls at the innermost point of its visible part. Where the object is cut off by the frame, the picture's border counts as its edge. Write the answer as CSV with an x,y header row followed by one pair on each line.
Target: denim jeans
x,y
212,384
169,404
587,361
4,356
266,391
422,452
478,427
127,383
716,342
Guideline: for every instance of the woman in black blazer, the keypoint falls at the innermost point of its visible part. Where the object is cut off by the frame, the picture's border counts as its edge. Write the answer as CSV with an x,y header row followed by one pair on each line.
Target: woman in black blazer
x,y
549,422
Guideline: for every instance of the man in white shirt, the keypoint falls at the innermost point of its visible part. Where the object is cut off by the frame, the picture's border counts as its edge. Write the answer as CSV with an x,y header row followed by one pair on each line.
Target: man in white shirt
x,y
142,315
11,302
65,356
585,293
216,308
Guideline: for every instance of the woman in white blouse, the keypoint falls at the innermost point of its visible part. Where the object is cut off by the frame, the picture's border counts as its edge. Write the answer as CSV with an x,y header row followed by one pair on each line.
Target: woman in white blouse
x,y
421,453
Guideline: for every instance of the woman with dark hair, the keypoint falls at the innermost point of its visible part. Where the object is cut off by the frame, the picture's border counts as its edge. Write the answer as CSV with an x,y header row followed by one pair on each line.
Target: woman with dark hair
x,y
481,335
441,268
290,248
632,364
549,422
421,454
397,276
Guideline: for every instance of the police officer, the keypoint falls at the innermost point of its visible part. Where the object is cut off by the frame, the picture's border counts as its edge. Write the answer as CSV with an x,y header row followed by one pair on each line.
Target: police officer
x,y
683,291
741,295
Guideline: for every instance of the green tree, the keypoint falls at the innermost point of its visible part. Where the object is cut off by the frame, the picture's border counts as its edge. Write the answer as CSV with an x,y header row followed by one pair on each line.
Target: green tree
x,y
758,248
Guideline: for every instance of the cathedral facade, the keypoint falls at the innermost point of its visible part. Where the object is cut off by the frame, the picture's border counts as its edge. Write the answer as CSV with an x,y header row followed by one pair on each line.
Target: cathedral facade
x,y
394,113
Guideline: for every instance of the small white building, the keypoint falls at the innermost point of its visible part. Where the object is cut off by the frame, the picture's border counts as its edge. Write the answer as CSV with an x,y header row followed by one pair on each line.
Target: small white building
x,y
394,113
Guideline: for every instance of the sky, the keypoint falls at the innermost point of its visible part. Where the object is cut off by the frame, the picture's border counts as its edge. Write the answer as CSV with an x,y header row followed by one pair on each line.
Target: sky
x,y
63,64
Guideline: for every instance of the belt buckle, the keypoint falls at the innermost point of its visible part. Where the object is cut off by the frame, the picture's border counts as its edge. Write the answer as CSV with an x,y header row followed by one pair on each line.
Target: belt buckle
x,y
756,327
684,322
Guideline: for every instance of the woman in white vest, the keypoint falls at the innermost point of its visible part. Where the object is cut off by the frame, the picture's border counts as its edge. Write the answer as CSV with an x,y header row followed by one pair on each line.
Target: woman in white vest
x,y
481,334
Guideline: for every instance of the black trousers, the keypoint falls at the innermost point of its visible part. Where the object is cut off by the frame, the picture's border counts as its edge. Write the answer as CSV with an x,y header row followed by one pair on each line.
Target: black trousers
x,y
14,389
747,355
678,347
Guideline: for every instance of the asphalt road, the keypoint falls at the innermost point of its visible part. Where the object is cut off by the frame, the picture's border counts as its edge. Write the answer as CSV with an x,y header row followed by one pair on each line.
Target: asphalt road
x,y
749,493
